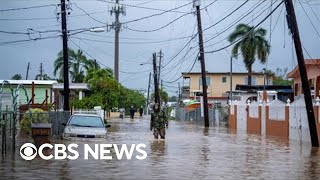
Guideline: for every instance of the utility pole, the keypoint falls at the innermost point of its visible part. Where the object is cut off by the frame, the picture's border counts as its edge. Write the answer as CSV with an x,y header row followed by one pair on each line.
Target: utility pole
x,y
41,72
28,68
293,26
65,56
160,59
230,92
179,94
148,93
203,66
117,9
156,85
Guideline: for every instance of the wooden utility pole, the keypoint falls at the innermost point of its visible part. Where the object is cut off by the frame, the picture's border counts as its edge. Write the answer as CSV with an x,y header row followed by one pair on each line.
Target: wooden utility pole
x,y
160,60
41,71
148,93
66,90
293,26
203,66
156,84
28,68
230,93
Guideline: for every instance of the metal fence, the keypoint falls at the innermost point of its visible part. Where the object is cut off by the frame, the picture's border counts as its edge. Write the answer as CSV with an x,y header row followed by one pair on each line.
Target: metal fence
x,y
10,125
217,116
55,118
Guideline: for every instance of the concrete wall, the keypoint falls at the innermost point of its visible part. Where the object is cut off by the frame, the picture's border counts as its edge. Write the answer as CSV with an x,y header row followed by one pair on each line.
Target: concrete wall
x,y
288,121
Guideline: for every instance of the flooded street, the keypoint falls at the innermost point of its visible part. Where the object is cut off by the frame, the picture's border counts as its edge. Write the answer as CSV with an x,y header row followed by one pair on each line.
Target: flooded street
x,y
189,152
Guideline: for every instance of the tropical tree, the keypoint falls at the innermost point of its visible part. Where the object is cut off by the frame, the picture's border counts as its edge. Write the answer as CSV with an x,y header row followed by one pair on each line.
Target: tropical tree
x,y
252,44
16,77
42,77
78,65
163,95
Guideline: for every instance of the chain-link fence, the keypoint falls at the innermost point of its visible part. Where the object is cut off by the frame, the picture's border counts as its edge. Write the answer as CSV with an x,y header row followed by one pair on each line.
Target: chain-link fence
x,y
217,116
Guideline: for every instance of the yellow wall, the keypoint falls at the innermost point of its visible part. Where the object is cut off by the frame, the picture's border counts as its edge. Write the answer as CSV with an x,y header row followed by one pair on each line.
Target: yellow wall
x,y
216,87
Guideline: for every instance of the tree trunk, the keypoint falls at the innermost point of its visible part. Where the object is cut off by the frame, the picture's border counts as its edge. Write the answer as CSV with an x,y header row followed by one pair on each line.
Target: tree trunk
x,y
249,74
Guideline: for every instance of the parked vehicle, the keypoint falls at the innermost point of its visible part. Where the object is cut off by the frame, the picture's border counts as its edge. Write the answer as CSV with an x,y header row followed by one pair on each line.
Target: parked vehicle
x,y
85,126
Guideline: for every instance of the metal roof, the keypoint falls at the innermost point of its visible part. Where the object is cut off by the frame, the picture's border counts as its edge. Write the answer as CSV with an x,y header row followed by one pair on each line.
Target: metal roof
x,y
82,86
29,82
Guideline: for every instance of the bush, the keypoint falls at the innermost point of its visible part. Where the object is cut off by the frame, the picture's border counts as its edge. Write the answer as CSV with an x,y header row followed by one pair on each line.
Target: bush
x,y
37,116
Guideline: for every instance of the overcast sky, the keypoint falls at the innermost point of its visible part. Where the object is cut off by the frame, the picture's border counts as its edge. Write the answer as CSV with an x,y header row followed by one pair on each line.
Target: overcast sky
x,y
137,47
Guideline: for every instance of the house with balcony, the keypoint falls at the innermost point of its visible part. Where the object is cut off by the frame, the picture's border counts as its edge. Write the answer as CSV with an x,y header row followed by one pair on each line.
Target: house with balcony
x,y
219,84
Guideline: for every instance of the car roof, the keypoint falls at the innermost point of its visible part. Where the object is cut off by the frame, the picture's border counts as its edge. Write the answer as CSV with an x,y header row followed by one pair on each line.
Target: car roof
x,y
92,115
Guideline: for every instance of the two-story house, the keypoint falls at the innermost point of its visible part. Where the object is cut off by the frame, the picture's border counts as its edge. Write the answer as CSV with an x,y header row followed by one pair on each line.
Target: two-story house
x,y
219,83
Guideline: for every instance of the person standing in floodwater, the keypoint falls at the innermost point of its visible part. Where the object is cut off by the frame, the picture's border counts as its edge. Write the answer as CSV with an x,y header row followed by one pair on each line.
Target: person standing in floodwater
x,y
141,111
132,111
159,122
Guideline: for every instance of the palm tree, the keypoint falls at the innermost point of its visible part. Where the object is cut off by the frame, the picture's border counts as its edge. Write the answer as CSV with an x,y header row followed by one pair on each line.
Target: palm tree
x,y
78,65
252,44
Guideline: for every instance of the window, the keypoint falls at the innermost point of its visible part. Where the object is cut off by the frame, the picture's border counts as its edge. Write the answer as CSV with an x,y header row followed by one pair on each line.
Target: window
x,y
253,80
208,81
268,81
224,79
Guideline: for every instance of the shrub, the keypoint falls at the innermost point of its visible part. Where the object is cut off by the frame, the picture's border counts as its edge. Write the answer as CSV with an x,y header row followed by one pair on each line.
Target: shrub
x,y
37,116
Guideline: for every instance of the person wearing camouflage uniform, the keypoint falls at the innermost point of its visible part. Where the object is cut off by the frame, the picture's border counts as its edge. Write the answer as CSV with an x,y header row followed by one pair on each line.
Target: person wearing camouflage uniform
x,y
159,122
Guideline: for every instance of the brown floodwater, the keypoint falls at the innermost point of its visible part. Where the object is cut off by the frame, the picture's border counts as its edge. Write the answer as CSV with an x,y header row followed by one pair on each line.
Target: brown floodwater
x,y
188,152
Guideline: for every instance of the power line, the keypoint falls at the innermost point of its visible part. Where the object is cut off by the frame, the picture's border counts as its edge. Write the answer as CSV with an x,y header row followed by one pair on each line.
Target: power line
x,y
88,14
166,11
30,7
141,7
88,53
174,20
27,40
310,20
213,51
236,21
228,15
181,75
144,42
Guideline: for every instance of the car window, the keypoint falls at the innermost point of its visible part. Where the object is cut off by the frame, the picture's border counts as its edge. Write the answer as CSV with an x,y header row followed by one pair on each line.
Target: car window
x,y
86,121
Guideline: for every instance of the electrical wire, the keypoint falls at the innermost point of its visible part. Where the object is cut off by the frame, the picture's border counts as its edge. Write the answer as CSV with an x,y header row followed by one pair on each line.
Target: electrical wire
x,y
27,40
88,14
25,8
174,20
141,7
181,75
166,11
310,20
217,50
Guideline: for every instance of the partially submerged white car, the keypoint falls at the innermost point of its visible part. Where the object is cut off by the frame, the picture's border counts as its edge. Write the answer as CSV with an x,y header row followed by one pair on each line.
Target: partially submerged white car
x,y
85,126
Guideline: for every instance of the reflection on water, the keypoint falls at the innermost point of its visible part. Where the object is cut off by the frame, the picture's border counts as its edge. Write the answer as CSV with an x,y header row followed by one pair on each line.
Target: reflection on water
x,y
188,152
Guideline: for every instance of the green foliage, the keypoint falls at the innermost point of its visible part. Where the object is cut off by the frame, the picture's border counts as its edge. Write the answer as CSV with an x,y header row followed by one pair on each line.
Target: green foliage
x,y
281,81
252,44
37,116
107,92
173,99
16,77
43,77
130,98
164,97
78,65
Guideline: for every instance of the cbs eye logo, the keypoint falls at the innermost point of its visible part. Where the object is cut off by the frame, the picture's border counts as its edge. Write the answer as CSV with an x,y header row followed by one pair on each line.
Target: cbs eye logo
x,y
28,151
